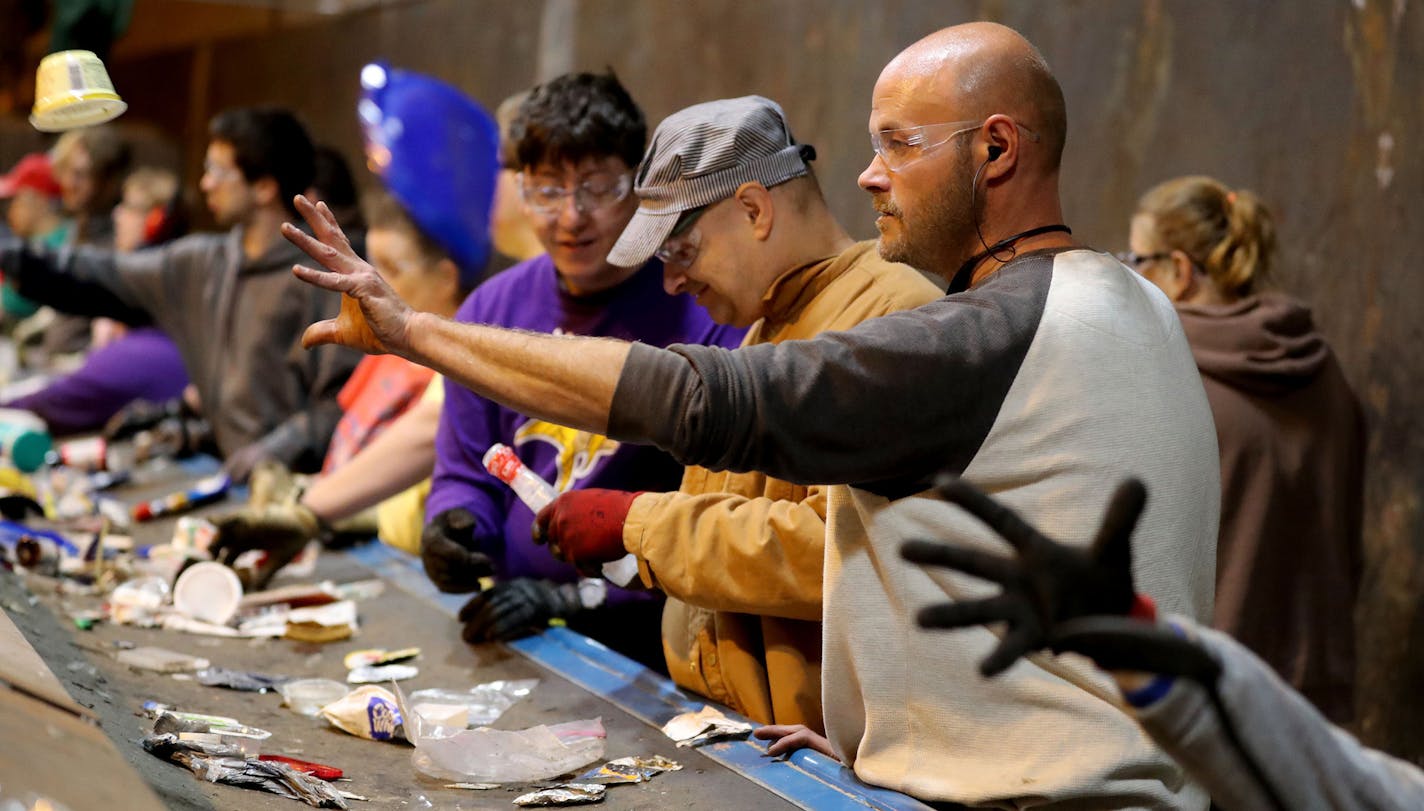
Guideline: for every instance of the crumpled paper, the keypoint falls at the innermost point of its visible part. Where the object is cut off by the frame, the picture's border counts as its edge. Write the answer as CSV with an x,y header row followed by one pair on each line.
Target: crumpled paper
x,y
703,726
367,712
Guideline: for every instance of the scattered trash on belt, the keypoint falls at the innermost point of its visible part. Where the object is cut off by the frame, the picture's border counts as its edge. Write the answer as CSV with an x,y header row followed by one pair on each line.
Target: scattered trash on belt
x,y
139,602
219,763
367,712
228,733
244,680
482,704
474,786
384,673
378,656
498,756
563,794
308,696
204,491
630,770
161,660
226,753
703,726
321,624
317,770
208,592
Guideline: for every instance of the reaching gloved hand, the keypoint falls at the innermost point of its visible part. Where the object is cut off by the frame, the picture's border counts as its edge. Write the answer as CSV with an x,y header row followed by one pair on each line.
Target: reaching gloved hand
x,y
518,607
585,527
239,466
281,530
446,550
1048,585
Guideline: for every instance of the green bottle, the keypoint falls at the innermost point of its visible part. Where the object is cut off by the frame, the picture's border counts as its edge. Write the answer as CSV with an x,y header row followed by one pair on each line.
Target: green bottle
x,y
24,439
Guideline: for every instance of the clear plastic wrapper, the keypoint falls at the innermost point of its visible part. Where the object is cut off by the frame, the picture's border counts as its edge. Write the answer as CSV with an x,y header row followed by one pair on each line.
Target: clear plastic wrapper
x,y
501,756
181,722
630,770
171,746
565,794
308,696
485,702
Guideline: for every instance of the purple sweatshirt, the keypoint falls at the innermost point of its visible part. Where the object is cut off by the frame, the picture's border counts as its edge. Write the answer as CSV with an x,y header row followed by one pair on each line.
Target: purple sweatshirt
x,y
142,365
528,296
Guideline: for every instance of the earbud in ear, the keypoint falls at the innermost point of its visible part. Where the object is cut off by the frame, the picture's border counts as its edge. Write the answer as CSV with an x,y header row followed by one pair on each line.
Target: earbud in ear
x,y
994,152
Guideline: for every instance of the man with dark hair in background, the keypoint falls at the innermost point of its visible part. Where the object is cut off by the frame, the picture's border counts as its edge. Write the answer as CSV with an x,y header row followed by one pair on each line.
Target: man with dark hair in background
x,y
575,141
227,300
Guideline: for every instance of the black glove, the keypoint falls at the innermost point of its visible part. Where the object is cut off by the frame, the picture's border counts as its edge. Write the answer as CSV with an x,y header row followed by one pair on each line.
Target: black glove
x,y
516,608
446,550
282,530
1047,585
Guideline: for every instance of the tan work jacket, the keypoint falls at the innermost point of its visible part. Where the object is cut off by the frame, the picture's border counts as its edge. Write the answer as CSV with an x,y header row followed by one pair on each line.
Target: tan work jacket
x,y
740,555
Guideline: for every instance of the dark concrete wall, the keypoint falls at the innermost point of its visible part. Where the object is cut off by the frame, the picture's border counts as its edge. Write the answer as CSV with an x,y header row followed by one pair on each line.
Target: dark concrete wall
x,y
1315,105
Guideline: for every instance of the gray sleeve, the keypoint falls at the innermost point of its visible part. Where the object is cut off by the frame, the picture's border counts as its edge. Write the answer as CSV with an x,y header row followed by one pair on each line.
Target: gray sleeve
x,y
884,406
91,281
302,438
1311,763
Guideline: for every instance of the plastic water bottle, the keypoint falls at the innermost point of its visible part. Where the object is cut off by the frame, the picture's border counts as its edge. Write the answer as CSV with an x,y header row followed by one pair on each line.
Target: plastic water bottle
x,y
502,463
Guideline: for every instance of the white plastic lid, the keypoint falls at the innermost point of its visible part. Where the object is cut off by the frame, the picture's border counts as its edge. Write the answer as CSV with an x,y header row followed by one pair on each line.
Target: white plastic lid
x,y
209,592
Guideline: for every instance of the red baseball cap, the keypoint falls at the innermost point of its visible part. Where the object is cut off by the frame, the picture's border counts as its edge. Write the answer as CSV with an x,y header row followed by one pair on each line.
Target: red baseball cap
x,y
32,172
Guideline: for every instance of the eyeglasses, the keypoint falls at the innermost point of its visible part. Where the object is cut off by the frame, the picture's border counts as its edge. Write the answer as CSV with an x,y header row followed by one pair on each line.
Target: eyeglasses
x,y
906,146
590,195
681,247
220,172
1136,260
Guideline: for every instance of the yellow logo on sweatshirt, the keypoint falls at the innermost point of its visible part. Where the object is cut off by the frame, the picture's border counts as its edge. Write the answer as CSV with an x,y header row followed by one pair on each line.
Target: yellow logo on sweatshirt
x,y
579,451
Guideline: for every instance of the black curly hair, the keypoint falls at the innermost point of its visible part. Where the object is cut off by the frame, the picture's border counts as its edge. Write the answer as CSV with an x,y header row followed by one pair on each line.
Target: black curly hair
x,y
268,142
578,116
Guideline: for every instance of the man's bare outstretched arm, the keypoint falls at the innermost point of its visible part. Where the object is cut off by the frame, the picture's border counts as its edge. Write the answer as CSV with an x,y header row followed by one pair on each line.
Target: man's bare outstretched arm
x,y
563,379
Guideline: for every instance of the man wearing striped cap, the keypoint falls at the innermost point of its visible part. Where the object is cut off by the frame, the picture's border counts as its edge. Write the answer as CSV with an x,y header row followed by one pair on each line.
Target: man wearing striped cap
x,y
728,201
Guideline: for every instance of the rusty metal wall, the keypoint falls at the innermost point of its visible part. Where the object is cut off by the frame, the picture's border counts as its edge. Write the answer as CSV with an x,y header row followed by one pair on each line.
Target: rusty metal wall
x,y
1318,106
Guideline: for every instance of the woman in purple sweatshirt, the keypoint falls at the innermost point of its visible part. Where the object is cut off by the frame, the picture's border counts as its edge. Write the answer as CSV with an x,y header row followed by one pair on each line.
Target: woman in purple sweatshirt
x,y
577,139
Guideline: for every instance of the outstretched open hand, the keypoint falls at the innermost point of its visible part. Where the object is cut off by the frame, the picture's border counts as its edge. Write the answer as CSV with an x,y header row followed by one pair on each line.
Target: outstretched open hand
x,y
1046,585
373,318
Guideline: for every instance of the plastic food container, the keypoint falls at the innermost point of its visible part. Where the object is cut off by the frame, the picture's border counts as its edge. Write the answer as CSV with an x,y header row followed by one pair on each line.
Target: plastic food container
x,y
209,592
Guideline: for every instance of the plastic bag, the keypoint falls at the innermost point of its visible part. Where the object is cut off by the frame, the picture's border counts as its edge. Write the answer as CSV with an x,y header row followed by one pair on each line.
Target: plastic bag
x,y
500,756
485,702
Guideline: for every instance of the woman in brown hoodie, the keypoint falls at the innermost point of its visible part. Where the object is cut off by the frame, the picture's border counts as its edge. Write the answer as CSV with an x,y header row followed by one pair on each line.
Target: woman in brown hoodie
x,y
1289,428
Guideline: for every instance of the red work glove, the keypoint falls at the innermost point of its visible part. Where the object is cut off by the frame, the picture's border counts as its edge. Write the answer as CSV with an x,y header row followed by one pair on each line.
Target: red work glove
x,y
585,527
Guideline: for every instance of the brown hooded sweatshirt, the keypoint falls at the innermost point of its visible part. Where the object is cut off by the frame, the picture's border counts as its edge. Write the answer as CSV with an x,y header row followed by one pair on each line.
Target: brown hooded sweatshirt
x,y
1292,445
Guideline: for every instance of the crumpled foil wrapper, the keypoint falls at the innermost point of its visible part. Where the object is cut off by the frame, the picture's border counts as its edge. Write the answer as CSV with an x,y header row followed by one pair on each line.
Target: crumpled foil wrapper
x,y
565,794
630,770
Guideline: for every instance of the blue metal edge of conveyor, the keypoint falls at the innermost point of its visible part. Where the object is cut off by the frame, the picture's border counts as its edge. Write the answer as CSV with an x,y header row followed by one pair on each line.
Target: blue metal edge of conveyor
x,y
807,779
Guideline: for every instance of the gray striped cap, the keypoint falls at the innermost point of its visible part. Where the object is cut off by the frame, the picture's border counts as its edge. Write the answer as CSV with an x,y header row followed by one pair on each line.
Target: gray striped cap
x,y
700,155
